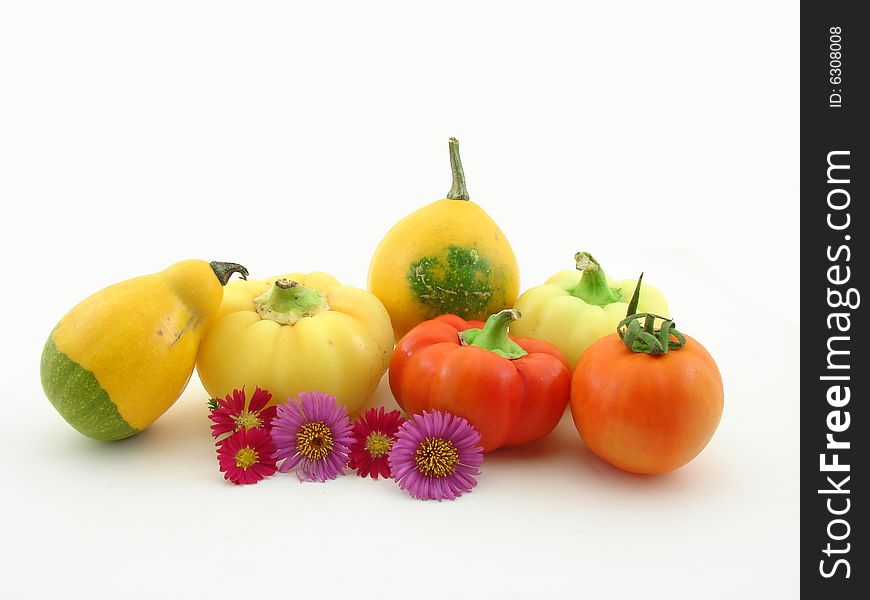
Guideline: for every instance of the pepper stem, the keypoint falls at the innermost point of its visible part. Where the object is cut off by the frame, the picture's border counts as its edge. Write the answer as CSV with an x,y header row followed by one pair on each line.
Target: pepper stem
x,y
225,270
458,191
494,335
592,287
646,338
287,301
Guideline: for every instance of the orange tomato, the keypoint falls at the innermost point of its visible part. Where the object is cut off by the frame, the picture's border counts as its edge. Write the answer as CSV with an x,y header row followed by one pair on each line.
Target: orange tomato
x,y
646,413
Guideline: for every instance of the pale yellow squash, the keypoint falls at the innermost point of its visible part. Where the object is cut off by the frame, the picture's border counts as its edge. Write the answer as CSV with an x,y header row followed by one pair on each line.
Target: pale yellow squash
x,y
296,333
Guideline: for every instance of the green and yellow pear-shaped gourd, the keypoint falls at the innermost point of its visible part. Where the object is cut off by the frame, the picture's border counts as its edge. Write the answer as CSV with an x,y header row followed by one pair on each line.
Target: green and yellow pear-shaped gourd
x,y
120,358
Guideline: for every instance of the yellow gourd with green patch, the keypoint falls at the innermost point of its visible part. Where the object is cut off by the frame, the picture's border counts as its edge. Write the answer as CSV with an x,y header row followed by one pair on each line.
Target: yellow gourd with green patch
x,y
120,358
447,257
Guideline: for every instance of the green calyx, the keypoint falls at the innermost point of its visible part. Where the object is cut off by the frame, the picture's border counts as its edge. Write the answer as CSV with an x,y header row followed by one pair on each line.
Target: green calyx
x,y
592,287
646,338
288,301
225,270
458,191
494,335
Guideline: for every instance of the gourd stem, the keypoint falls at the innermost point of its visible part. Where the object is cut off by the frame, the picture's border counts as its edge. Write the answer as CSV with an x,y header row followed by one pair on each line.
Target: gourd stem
x,y
592,287
225,270
288,301
494,335
458,191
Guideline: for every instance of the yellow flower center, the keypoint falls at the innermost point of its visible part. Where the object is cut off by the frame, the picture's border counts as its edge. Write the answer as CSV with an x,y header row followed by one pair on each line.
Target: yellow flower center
x,y
378,444
246,457
314,440
435,457
248,420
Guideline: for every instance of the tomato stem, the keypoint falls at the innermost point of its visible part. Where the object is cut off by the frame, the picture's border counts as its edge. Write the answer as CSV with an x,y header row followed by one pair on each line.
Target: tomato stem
x,y
458,191
592,287
225,270
646,338
288,301
494,335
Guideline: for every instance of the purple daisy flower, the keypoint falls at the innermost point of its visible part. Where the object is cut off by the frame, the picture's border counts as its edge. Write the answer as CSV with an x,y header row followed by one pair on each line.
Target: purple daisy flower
x,y
313,431
436,456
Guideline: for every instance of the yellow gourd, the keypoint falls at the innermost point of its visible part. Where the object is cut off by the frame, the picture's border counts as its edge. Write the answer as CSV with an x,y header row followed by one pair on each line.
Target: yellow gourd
x,y
123,356
447,257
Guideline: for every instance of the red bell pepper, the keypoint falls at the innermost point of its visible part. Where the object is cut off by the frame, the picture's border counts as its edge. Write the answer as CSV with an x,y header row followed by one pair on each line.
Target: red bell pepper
x,y
512,391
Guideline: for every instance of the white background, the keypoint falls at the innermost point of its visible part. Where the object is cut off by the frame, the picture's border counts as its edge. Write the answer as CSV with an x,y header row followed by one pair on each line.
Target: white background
x,y
660,136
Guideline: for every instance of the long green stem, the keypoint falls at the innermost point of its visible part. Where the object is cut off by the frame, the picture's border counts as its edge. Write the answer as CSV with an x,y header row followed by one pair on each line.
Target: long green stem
x,y
592,287
458,191
494,335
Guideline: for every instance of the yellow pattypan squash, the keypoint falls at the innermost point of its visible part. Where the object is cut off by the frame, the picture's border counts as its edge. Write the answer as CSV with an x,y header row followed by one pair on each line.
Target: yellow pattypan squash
x,y
296,333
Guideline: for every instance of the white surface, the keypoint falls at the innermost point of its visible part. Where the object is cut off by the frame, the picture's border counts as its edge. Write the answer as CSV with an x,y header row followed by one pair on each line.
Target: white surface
x,y
662,139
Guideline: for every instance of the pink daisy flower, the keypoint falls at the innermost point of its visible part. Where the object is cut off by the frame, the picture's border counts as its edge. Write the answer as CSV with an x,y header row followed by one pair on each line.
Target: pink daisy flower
x,y
436,456
233,413
313,432
373,435
246,456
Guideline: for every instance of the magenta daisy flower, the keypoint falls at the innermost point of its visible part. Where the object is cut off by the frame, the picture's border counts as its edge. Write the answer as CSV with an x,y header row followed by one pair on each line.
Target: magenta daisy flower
x,y
233,413
373,435
436,456
312,431
246,456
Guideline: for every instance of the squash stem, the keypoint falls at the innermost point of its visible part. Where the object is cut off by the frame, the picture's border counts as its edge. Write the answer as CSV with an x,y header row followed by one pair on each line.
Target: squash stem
x,y
287,302
458,191
494,335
